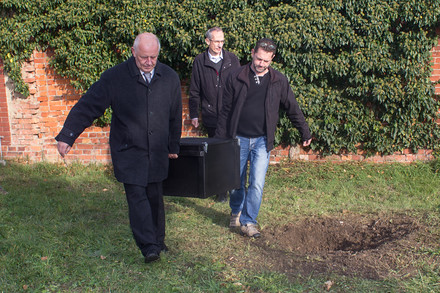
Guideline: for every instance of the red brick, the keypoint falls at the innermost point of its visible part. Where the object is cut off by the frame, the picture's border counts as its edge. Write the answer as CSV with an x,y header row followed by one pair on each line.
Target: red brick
x,y
57,96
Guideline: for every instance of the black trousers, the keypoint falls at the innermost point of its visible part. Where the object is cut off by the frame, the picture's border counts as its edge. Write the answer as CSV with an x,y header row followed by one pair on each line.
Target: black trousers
x,y
147,216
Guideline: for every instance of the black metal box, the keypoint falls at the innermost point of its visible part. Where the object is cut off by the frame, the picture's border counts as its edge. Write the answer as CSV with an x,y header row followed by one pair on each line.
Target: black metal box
x,y
205,167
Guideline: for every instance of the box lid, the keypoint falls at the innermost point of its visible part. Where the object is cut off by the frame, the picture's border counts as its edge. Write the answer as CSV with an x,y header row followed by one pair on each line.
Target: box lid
x,y
198,146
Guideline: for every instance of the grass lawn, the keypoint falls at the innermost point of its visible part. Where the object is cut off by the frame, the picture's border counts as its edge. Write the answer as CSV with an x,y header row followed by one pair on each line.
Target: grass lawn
x,y
351,227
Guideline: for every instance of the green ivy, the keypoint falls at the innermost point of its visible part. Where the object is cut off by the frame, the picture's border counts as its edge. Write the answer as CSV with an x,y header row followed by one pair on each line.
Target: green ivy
x,y
360,68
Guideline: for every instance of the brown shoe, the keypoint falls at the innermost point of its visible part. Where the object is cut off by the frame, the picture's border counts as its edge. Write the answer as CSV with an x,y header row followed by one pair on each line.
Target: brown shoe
x,y
250,230
235,220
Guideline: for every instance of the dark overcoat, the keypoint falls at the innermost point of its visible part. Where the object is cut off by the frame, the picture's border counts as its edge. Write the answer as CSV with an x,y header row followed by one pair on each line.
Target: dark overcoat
x,y
146,120
279,93
206,87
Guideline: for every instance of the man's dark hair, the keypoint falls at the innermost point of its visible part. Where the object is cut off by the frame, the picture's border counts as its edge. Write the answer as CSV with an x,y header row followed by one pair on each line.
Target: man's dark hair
x,y
267,45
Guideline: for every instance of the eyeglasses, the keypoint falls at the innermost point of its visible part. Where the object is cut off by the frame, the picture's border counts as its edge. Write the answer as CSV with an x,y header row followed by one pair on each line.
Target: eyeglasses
x,y
218,42
267,46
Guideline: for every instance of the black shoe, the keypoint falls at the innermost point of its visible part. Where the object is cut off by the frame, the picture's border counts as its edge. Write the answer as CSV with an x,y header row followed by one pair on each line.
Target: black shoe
x,y
151,256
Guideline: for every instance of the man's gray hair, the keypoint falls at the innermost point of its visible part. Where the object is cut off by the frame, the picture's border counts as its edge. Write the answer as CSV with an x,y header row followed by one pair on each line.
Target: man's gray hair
x,y
138,38
208,34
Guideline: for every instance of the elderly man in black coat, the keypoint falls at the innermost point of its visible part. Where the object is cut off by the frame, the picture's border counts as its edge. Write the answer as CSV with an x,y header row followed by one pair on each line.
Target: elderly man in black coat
x,y
209,74
145,96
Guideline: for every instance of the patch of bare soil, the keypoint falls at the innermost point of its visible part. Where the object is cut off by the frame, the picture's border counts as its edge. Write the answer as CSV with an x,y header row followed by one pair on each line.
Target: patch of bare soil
x,y
370,246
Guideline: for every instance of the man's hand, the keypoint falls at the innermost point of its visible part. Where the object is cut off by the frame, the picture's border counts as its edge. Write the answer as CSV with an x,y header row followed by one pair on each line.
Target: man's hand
x,y
63,148
195,122
307,142
172,156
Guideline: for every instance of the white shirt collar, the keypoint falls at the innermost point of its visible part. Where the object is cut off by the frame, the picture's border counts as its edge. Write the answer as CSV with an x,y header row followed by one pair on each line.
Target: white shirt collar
x,y
151,72
215,59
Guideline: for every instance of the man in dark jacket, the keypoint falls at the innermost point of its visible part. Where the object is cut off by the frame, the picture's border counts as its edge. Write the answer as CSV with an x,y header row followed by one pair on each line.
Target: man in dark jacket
x,y
251,101
210,71
145,97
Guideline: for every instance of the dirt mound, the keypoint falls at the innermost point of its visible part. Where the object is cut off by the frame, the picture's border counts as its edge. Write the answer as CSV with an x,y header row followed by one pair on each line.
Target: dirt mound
x,y
318,235
373,247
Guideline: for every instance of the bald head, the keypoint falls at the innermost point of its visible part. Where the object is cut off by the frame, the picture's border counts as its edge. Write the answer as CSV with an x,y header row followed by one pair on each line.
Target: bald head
x,y
146,38
145,51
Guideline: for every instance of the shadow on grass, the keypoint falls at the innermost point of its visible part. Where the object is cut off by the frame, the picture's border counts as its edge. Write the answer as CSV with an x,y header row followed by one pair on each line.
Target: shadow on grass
x,y
62,211
217,217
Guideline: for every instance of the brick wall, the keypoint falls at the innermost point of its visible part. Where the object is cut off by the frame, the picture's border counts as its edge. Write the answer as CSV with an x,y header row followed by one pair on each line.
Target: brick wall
x,y
5,133
436,65
28,125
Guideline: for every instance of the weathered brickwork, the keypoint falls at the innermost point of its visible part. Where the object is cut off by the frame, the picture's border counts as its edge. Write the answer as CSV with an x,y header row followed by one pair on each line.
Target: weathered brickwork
x,y
5,133
28,125
436,65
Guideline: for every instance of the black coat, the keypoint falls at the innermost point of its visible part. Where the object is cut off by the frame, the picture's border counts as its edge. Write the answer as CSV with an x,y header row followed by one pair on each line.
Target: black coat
x,y
206,87
279,93
146,121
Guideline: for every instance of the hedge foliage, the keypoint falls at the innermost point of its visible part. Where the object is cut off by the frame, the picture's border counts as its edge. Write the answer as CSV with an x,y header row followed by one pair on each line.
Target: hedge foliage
x,y
360,68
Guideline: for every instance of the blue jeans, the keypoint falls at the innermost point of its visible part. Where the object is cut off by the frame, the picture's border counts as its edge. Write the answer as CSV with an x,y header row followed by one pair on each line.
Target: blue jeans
x,y
248,199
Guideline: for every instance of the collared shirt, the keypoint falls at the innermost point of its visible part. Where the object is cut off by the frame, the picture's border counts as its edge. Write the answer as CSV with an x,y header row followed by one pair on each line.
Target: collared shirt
x,y
151,73
216,59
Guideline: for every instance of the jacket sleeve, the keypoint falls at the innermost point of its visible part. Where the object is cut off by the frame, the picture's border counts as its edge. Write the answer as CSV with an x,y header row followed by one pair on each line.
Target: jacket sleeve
x,y
225,112
234,61
194,90
90,106
294,112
